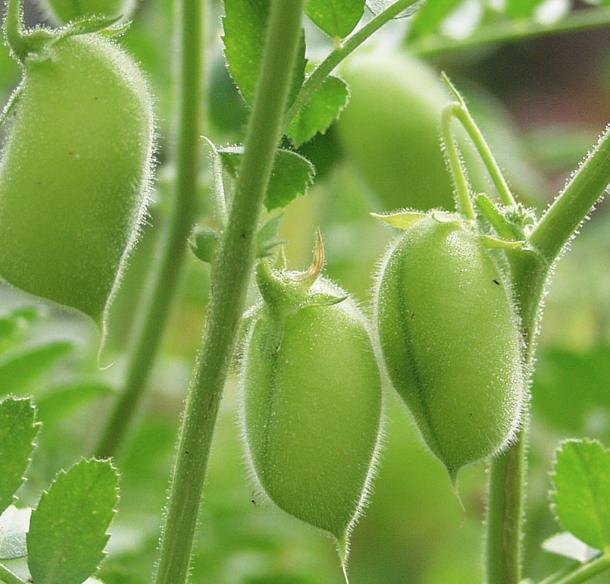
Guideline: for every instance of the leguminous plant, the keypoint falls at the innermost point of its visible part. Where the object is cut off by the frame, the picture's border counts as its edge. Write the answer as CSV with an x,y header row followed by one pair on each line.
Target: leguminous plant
x,y
392,407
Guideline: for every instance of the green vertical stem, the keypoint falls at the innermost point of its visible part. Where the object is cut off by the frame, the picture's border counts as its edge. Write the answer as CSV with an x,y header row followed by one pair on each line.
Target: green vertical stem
x,y
231,274
171,251
529,273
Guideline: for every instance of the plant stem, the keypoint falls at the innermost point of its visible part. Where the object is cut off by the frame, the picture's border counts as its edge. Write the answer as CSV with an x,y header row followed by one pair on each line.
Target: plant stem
x,y
587,570
9,577
231,274
462,189
171,251
510,31
325,68
13,29
530,271
484,151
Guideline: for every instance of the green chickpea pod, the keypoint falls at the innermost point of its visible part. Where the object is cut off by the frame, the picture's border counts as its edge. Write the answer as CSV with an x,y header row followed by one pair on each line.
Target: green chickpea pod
x,y
450,339
75,166
311,399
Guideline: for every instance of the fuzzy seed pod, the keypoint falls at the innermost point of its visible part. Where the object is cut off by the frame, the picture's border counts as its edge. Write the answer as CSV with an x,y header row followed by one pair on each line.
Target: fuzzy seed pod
x,y
450,340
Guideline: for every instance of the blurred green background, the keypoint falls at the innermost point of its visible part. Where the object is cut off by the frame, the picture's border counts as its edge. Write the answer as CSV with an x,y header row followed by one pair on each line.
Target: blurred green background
x,y
551,98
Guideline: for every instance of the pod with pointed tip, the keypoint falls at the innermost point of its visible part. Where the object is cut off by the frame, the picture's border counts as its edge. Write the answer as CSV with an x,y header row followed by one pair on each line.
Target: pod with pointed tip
x,y
311,401
74,172
450,339
63,11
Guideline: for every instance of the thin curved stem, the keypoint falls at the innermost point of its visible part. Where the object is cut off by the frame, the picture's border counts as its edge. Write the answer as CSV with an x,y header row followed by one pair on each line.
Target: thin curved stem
x,y
171,251
511,31
9,577
586,571
325,68
13,24
462,188
231,274
491,164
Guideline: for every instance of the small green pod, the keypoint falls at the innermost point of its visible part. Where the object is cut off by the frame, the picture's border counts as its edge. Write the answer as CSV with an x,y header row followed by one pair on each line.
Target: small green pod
x,y
63,11
74,172
450,340
311,404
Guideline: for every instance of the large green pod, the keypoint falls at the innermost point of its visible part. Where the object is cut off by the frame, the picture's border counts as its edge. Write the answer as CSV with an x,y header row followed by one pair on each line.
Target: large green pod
x,y
74,172
391,130
311,403
451,340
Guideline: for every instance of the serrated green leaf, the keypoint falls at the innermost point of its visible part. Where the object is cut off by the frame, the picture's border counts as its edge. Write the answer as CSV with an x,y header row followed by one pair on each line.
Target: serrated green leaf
x,y
337,18
291,175
566,545
18,429
14,525
558,372
67,532
59,401
581,496
319,112
245,25
19,370
431,16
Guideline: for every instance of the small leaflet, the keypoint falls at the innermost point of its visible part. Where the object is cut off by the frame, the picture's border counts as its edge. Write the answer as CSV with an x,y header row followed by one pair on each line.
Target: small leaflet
x,y
68,529
581,495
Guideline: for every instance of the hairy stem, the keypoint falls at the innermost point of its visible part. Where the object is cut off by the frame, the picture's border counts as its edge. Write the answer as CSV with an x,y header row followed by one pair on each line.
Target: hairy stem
x,y
510,31
549,236
160,289
8,577
231,274
587,570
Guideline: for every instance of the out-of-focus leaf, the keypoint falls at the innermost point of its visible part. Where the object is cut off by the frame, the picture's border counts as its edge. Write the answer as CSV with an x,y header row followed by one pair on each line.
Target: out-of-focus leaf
x,y
227,110
566,545
291,175
559,147
67,532
14,321
570,389
59,401
19,370
18,429
581,495
14,524
319,112
431,16
245,25
337,18
521,8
